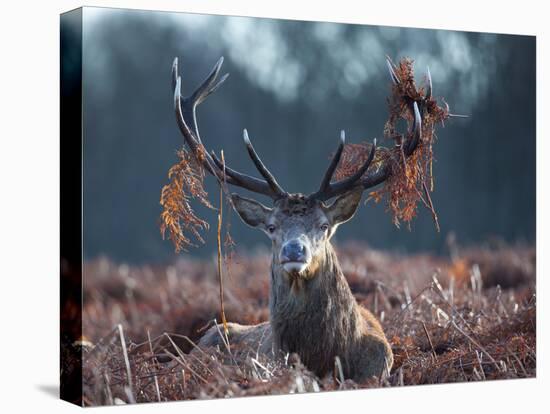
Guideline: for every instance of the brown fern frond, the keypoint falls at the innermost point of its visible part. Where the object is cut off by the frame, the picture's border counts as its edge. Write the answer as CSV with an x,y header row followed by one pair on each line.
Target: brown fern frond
x,y
178,217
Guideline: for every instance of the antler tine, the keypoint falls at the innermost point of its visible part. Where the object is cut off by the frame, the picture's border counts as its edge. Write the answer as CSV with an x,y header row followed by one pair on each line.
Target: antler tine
x,y
185,116
190,135
325,183
384,171
349,183
377,177
416,134
393,75
208,86
243,180
271,181
174,73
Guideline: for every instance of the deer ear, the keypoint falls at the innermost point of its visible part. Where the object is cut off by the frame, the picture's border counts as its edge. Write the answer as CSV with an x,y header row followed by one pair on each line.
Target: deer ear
x,y
344,207
251,212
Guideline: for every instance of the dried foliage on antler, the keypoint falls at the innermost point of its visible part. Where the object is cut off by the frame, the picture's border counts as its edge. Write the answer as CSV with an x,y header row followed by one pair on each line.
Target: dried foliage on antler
x,y
178,217
411,178
405,169
204,162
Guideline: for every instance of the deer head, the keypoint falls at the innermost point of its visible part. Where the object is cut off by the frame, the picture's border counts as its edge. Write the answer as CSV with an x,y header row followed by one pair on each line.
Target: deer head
x,y
299,226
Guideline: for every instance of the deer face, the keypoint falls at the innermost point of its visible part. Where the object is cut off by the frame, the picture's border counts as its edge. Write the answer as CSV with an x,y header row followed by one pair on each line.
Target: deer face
x,y
299,227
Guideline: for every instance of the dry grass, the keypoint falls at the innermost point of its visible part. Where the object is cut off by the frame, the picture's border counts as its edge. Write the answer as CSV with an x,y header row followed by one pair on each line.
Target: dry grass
x,y
468,318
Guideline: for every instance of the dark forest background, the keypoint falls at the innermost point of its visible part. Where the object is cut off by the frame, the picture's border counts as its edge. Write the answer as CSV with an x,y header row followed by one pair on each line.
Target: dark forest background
x,y
294,85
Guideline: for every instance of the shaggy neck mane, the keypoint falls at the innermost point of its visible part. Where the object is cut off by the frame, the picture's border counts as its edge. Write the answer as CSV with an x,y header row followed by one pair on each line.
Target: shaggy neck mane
x,y
317,316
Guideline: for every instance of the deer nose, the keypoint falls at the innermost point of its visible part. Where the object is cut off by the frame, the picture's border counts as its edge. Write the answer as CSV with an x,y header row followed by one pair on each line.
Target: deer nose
x,y
293,251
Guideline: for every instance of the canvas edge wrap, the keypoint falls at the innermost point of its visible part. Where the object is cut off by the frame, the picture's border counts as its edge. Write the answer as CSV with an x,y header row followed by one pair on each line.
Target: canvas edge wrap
x,y
71,206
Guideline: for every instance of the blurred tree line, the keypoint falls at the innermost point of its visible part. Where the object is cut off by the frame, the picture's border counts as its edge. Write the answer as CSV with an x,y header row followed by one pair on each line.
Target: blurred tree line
x,y
294,85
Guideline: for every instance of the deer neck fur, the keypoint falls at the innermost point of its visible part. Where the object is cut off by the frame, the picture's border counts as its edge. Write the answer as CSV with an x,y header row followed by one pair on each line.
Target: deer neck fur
x,y
314,315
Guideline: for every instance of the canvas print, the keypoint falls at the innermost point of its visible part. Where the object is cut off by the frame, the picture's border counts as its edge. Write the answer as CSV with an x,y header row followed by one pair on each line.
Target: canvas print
x,y
263,207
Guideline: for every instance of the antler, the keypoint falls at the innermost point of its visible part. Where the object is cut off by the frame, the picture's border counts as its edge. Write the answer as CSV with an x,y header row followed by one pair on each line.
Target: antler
x,y
187,122
329,190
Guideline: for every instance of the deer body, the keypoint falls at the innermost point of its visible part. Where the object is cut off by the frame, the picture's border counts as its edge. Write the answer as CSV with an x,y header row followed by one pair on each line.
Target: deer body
x,y
313,313
318,319
312,310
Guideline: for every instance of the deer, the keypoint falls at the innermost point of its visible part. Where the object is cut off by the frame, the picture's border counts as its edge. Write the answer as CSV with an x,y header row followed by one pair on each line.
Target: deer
x,y
313,312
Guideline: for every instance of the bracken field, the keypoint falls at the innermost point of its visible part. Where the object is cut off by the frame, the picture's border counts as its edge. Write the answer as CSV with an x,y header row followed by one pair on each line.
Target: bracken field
x,y
468,316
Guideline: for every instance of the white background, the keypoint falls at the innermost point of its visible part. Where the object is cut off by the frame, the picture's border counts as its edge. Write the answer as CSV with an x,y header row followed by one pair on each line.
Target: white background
x,y
29,203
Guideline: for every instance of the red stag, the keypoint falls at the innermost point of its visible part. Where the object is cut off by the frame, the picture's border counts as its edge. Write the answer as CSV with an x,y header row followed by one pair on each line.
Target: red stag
x,y
312,310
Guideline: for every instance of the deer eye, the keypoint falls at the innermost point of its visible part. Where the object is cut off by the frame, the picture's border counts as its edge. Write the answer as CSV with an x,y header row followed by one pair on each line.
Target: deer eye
x,y
271,228
324,227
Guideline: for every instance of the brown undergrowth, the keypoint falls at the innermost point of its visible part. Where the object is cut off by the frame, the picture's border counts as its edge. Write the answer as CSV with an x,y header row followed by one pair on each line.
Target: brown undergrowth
x,y
468,318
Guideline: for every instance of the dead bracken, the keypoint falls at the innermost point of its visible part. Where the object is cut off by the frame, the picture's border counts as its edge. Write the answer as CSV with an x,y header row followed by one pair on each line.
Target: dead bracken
x,y
411,180
448,320
178,217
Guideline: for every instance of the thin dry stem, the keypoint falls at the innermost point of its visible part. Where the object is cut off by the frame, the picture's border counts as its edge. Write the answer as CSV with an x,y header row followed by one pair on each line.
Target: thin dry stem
x,y
126,360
